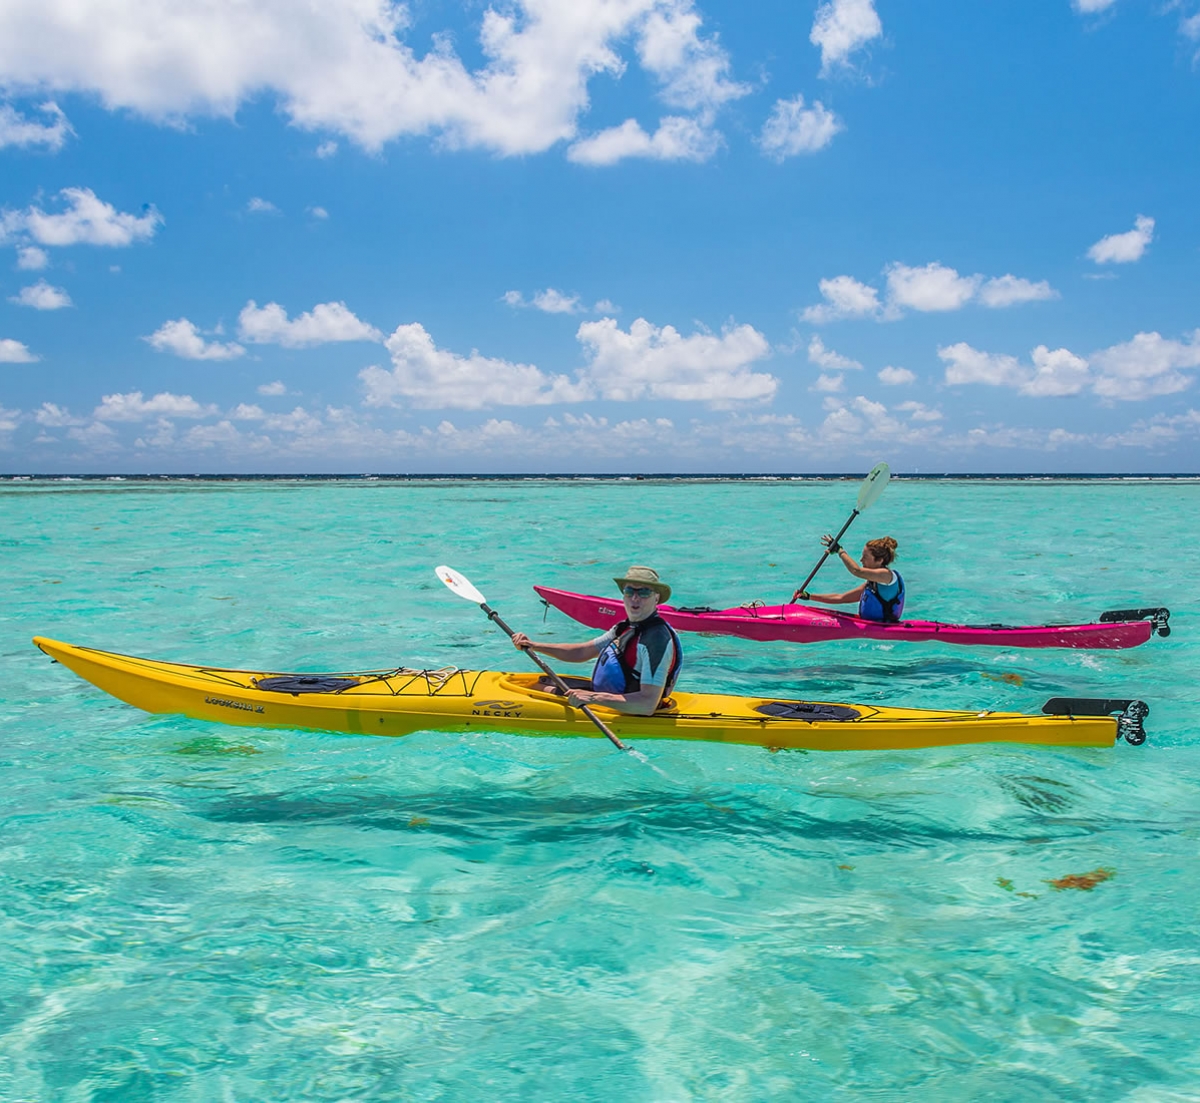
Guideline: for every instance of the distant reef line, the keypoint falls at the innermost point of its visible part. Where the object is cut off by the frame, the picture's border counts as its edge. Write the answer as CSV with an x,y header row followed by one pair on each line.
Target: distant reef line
x,y
648,476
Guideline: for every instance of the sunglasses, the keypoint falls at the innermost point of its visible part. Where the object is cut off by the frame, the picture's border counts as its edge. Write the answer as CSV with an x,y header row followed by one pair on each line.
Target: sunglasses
x,y
637,591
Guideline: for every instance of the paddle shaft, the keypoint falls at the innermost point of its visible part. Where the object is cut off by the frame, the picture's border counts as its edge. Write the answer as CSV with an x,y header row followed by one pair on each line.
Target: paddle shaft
x,y
493,615
836,540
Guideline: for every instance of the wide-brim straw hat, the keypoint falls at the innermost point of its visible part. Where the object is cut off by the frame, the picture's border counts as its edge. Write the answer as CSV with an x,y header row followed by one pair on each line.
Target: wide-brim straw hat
x,y
645,576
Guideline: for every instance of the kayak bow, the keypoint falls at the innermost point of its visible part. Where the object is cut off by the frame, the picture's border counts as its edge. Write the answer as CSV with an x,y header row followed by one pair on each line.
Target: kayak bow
x,y
401,701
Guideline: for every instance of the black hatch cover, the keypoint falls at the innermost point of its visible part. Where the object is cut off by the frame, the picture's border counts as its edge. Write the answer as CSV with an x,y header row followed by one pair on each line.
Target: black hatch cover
x,y
806,710
304,683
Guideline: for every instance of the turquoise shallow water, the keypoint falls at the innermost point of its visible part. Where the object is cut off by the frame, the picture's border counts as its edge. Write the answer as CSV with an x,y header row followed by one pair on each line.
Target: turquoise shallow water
x,y
193,912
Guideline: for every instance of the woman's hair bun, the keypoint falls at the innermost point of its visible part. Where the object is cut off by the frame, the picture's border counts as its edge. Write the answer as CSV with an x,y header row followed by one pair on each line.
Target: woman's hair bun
x,y
884,549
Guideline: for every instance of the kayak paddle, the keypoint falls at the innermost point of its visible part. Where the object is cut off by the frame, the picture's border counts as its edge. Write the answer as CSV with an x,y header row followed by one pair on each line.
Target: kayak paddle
x,y
868,495
462,586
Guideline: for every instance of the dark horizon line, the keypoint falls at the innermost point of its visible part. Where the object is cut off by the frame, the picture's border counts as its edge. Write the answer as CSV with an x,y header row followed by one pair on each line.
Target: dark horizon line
x,y
623,475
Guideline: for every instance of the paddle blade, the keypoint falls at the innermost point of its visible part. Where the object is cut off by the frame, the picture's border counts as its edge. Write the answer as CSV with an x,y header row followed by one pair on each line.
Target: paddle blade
x,y
460,584
873,485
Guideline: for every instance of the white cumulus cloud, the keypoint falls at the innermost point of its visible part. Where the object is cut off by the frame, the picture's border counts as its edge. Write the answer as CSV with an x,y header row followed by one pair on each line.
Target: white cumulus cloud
x,y
844,297
325,323
842,26
1056,372
932,287
299,421
549,301
793,128
1143,367
828,359
1002,436
965,364
1157,430
87,220
96,437
649,361
210,436
1010,290
41,296
32,259
181,338
1127,247
16,130
677,139
552,301
272,389
895,377
343,66
14,352
693,71
133,407
1091,7
860,418
424,375
928,288
258,205
53,416
918,411
1147,365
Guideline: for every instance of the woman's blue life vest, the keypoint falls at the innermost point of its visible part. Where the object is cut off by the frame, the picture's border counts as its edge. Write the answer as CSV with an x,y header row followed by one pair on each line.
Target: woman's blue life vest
x,y
874,606
616,667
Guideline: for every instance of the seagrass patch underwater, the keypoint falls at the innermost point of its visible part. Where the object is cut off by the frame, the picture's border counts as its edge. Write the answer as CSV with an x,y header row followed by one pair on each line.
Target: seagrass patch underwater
x,y
198,912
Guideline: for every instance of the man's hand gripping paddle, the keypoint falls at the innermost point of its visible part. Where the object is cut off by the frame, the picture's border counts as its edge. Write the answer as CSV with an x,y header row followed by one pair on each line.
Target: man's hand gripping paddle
x,y
868,495
461,585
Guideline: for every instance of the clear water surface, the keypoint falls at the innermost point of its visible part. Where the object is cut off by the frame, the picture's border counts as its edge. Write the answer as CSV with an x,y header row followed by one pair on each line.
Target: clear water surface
x,y
196,912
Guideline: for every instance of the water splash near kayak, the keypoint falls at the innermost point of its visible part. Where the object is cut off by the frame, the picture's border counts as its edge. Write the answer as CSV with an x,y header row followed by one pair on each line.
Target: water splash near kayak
x,y
641,757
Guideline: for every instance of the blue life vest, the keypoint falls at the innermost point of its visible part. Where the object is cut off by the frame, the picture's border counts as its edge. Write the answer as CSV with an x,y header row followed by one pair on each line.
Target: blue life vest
x,y
873,606
616,666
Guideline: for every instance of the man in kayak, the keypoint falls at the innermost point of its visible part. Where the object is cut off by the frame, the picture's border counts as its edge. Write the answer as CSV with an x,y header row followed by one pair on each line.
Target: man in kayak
x,y
637,660
881,596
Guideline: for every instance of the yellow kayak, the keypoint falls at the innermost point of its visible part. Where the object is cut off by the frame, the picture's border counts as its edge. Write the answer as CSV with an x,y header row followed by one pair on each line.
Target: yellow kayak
x,y
401,701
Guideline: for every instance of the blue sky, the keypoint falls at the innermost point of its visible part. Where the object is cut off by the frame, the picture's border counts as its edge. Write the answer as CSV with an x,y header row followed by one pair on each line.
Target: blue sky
x,y
599,235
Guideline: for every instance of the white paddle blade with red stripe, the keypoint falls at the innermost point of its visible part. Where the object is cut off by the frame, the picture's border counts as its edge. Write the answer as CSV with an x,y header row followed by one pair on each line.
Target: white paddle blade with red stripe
x,y
460,584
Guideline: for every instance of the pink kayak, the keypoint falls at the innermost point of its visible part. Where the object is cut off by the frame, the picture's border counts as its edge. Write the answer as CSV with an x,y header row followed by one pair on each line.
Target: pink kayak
x,y
806,624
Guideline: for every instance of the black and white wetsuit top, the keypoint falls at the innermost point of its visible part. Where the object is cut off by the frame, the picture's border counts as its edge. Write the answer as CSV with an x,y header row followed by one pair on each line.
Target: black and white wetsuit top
x,y
636,656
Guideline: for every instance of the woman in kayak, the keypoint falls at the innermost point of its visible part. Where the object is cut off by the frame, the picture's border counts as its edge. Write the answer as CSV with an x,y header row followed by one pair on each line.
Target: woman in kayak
x,y
881,596
637,660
